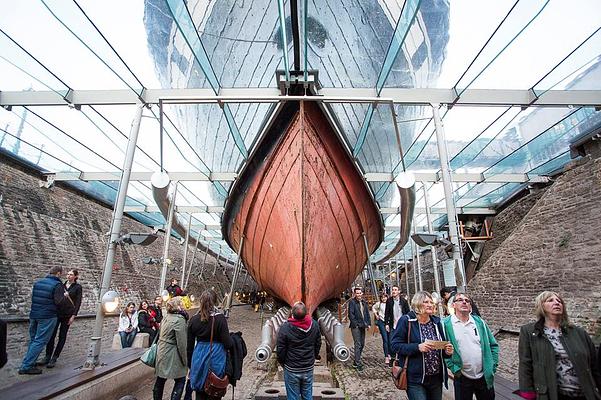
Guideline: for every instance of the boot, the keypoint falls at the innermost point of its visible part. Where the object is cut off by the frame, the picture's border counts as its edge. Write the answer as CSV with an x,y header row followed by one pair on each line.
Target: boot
x,y
51,363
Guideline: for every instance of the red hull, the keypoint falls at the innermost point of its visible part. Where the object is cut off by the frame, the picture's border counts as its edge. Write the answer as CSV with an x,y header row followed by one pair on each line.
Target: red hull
x,y
303,213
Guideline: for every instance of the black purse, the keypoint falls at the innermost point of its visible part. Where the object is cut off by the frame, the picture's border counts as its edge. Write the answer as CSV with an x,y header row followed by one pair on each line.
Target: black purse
x,y
215,386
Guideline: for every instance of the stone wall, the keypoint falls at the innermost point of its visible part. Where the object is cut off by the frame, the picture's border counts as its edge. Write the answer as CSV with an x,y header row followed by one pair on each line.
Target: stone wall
x,y
555,246
41,227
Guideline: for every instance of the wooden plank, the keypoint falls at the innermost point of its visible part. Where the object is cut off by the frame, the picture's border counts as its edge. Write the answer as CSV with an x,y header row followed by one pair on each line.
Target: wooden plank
x,y
51,385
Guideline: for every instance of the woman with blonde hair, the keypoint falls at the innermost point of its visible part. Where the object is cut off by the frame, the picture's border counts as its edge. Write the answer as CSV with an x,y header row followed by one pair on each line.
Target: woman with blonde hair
x,y
412,341
552,341
208,342
171,352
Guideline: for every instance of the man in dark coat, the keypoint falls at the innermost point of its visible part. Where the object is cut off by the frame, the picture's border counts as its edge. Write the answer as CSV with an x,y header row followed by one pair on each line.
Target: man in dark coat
x,y
396,307
358,315
66,315
298,344
48,293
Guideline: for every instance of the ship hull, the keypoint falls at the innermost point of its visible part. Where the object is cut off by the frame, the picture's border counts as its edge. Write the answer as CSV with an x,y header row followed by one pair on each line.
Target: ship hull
x,y
303,209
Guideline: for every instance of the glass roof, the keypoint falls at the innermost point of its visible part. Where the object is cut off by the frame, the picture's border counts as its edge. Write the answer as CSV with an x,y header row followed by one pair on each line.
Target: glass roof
x,y
112,47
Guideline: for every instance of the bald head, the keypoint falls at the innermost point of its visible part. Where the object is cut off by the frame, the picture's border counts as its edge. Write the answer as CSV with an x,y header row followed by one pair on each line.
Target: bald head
x,y
299,310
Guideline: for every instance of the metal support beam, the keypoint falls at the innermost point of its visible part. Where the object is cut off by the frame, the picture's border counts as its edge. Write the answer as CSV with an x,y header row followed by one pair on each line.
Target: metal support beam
x,y
448,193
410,96
419,263
432,249
170,216
370,270
95,342
183,280
185,284
406,275
228,304
231,176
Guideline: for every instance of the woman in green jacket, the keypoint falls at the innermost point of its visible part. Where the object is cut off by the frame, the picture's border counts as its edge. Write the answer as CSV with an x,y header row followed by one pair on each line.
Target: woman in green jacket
x,y
557,359
171,361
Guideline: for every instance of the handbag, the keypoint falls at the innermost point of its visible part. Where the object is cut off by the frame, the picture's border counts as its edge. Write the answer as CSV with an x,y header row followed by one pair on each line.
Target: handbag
x,y
150,356
399,375
215,386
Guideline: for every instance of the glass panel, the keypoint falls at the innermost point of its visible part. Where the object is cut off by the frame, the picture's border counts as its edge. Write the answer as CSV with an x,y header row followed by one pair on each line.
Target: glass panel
x,y
530,56
519,18
347,41
406,21
73,19
549,144
475,147
552,165
86,73
521,130
70,147
497,196
21,72
578,70
476,192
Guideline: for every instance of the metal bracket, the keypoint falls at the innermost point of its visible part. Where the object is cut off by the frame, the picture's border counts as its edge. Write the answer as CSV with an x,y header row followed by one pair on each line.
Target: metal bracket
x,y
49,182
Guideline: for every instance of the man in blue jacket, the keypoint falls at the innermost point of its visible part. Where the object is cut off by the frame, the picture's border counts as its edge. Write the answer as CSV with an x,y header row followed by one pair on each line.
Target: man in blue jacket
x,y
47,294
358,315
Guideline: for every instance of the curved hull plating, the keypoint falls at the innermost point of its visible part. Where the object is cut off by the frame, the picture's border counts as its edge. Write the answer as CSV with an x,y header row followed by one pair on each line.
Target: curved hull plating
x,y
303,209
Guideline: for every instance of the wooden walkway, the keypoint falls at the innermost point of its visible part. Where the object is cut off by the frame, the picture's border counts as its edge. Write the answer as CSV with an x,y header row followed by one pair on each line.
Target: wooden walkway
x,y
51,385
504,389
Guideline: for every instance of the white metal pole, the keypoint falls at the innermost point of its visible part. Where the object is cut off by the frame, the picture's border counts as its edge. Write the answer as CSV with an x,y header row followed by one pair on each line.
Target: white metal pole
x,y
182,281
170,216
419,262
445,168
432,248
406,274
192,260
95,342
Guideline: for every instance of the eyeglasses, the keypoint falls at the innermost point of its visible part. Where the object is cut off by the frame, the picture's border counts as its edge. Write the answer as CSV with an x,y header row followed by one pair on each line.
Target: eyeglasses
x,y
468,301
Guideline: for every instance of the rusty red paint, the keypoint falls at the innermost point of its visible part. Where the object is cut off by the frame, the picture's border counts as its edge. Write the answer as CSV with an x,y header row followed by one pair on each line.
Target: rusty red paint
x,y
304,213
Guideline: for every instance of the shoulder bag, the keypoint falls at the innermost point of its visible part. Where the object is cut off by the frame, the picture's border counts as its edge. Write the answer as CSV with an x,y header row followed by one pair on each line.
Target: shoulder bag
x,y
150,356
399,375
215,386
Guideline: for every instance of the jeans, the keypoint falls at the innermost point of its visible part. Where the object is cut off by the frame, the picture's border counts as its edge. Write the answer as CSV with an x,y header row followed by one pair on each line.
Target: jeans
x,y
176,393
466,388
127,339
299,385
431,389
385,338
40,331
62,327
359,341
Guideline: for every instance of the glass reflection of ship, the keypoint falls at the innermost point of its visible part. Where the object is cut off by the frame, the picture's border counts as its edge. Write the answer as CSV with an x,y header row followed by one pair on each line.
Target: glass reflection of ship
x,y
300,202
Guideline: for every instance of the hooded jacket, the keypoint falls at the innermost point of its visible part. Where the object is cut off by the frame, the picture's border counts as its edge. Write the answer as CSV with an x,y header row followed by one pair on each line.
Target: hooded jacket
x,y
409,348
298,344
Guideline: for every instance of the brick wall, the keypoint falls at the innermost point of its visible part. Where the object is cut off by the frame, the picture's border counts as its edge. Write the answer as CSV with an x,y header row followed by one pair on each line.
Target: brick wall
x,y
40,228
555,246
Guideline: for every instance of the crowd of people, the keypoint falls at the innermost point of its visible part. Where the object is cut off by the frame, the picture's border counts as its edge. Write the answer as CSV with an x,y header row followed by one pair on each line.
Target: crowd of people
x,y
557,360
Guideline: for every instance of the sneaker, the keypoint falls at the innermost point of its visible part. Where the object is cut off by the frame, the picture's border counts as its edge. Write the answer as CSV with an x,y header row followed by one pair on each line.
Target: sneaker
x,y
51,363
355,366
30,371
42,363
387,360
360,368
